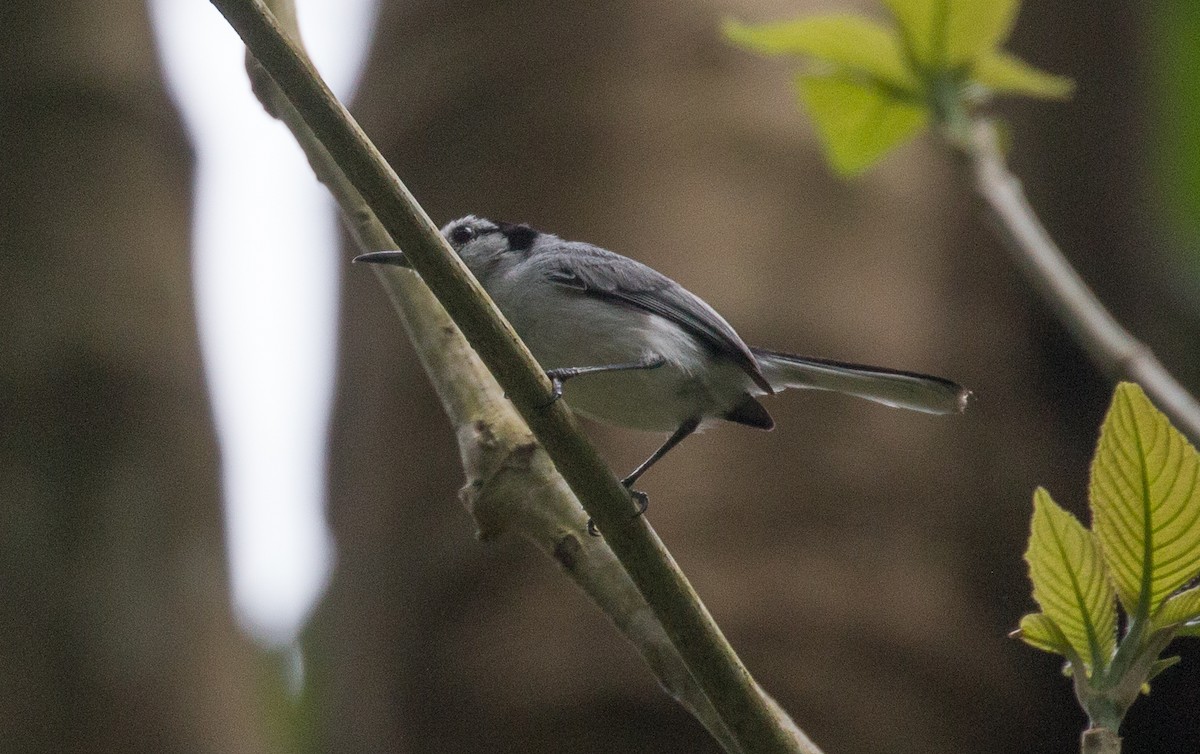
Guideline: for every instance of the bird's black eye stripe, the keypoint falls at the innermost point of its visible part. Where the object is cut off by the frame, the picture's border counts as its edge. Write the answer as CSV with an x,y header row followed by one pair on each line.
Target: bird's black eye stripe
x,y
520,237
461,235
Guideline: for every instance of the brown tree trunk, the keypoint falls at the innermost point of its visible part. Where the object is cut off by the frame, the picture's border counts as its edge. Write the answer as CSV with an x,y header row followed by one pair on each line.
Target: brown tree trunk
x,y
115,627
865,562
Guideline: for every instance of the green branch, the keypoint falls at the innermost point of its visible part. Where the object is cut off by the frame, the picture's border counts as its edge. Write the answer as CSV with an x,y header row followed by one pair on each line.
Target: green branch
x,y
382,214
1109,344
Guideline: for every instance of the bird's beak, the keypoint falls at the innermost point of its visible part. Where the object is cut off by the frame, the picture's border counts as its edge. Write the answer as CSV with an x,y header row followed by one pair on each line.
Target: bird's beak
x,y
384,257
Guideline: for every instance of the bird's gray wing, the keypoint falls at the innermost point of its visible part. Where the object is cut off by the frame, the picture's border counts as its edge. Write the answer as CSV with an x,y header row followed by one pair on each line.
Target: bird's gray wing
x,y
598,272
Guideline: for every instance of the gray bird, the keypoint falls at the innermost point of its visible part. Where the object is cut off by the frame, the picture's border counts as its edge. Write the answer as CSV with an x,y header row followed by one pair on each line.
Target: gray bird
x,y
642,351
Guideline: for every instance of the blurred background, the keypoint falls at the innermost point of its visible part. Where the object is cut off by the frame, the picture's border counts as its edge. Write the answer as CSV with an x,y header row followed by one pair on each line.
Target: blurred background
x,y
866,563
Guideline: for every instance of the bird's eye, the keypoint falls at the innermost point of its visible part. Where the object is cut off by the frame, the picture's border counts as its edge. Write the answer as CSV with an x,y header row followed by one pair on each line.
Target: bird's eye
x,y
461,235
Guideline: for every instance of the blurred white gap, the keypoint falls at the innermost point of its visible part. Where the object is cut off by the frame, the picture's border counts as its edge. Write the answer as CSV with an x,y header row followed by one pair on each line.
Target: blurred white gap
x,y
266,278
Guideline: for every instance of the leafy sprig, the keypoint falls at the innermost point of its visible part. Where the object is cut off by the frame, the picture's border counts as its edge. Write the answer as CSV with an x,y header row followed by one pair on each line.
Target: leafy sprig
x,y
871,87
1142,552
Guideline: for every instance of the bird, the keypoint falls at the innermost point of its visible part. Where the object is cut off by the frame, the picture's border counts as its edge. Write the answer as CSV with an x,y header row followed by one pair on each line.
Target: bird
x,y
625,345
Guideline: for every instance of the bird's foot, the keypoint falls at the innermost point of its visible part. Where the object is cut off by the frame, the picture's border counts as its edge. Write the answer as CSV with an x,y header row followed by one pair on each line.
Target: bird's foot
x,y
557,378
640,499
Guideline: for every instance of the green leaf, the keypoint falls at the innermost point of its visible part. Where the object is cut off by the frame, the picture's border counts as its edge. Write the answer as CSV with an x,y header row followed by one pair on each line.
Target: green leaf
x,y
1160,665
1038,630
1157,667
1189,629
1069,582
852,42
1181,608
1007,74
858,122
945,34
1145,493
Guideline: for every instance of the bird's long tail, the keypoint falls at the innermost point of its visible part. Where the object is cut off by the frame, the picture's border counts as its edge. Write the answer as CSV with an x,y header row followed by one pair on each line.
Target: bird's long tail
x,y
891,387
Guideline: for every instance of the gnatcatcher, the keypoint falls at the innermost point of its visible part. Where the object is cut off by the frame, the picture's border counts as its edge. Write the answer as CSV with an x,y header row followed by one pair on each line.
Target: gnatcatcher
x,y
648,353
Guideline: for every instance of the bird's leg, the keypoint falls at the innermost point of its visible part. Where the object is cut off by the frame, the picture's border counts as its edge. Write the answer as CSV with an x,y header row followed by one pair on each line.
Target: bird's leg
x,y
561,375
677,437
641,498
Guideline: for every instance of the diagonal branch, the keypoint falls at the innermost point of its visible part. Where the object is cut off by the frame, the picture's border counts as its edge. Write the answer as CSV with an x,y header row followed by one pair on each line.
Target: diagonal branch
x,y
683,645
1109,344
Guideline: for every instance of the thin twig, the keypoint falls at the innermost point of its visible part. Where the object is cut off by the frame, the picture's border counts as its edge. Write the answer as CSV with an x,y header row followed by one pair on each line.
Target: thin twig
x,y
1109,344
753,722
1099,741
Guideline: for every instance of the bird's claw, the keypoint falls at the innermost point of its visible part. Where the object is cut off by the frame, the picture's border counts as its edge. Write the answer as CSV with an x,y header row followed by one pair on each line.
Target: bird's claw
x,y
640,499
556,388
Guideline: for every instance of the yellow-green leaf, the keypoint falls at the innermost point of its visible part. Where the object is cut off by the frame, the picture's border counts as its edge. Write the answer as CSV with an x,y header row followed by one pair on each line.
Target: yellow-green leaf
x,y
1156,668
944,34
1069,582
1181,608
1008,74
858,122
1040,632
1145,493
852,42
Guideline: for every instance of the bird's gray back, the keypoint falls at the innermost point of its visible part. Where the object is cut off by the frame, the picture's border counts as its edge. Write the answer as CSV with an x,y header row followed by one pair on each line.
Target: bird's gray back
x,y
593,271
